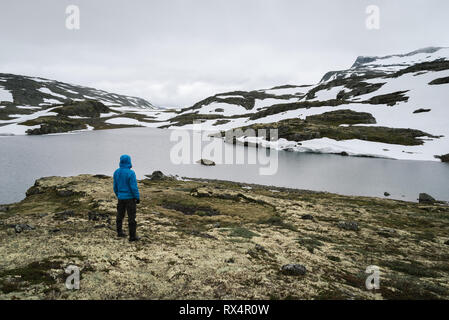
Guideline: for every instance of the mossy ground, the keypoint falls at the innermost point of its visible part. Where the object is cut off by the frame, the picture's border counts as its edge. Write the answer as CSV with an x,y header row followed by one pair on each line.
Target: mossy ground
x,y
328,125
216,240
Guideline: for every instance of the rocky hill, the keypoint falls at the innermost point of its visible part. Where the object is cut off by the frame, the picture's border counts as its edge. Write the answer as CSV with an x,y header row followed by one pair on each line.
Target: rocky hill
x,y
220,240
393,107
33,105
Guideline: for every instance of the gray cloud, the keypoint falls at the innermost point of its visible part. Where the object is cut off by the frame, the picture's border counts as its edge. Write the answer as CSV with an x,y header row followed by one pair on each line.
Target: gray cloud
x,y
175,52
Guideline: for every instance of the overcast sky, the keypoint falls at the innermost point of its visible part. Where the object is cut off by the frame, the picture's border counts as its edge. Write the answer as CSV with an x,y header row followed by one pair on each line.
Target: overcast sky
x,y
176,52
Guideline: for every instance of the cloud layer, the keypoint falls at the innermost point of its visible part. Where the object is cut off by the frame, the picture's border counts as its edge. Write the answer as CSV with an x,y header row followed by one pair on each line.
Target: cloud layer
x,y
176,52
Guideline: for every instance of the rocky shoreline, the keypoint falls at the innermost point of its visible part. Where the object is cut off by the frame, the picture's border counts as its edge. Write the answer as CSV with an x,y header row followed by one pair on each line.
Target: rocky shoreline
x,y
206,239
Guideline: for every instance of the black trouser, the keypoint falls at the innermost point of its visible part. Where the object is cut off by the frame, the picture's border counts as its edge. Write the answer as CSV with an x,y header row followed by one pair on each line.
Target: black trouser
x,y
128,206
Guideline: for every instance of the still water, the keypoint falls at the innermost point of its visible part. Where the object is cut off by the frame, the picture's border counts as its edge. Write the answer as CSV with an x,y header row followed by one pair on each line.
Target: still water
x,y
23,159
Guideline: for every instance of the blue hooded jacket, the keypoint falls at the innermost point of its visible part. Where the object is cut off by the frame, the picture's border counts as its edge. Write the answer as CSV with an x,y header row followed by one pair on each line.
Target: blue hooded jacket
x,y
125,182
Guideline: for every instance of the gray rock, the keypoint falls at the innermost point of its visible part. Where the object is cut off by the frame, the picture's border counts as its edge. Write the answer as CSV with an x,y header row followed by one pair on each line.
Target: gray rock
x,y
293,270
65,193
348,225
4,208
158,176
425,198
97,216
22,227
206,162
18,228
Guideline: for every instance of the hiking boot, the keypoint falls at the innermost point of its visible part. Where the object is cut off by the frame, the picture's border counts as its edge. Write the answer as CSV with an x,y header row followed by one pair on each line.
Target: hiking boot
x,y
135,238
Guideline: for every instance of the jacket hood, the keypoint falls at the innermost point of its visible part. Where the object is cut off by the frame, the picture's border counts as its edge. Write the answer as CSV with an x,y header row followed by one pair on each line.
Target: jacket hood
x,y
125,161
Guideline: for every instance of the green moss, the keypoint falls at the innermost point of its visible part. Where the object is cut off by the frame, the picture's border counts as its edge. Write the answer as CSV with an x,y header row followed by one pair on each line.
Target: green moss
x,y
34,273
405,288
54,125
346,116
411,268
328,126
87,108
242,232
278,222
331,294
189,207
309,243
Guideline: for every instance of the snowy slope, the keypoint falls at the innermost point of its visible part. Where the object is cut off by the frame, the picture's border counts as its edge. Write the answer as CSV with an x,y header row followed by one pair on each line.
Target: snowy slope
x,y
23,99
386,65
396,90
22,90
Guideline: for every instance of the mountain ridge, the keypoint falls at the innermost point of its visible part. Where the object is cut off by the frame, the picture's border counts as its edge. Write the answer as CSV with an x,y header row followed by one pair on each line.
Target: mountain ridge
x,y
404,93
60,91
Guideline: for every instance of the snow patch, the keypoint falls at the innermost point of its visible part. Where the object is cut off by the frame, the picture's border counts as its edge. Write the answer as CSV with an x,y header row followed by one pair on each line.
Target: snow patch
x,y
49,92
6,95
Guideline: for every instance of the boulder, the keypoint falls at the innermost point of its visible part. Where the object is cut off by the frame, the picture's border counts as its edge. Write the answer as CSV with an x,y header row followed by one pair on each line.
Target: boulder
x,y
426,199
348,225
293,269
22,227
158,176
206,162
4,208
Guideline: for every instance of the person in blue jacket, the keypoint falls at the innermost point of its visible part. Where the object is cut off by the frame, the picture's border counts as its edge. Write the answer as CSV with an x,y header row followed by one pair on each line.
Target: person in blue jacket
x,y
127,192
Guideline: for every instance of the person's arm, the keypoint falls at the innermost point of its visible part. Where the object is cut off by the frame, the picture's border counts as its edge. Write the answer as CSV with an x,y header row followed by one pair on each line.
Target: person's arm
x,y
115,186
133,186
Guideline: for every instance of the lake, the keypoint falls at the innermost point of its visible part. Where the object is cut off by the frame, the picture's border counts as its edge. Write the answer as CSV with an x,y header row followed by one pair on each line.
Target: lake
x,y
23,159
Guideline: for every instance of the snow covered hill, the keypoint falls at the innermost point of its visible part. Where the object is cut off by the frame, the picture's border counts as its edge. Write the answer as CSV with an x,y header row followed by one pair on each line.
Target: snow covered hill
x,y
39,92
394,107
28,103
